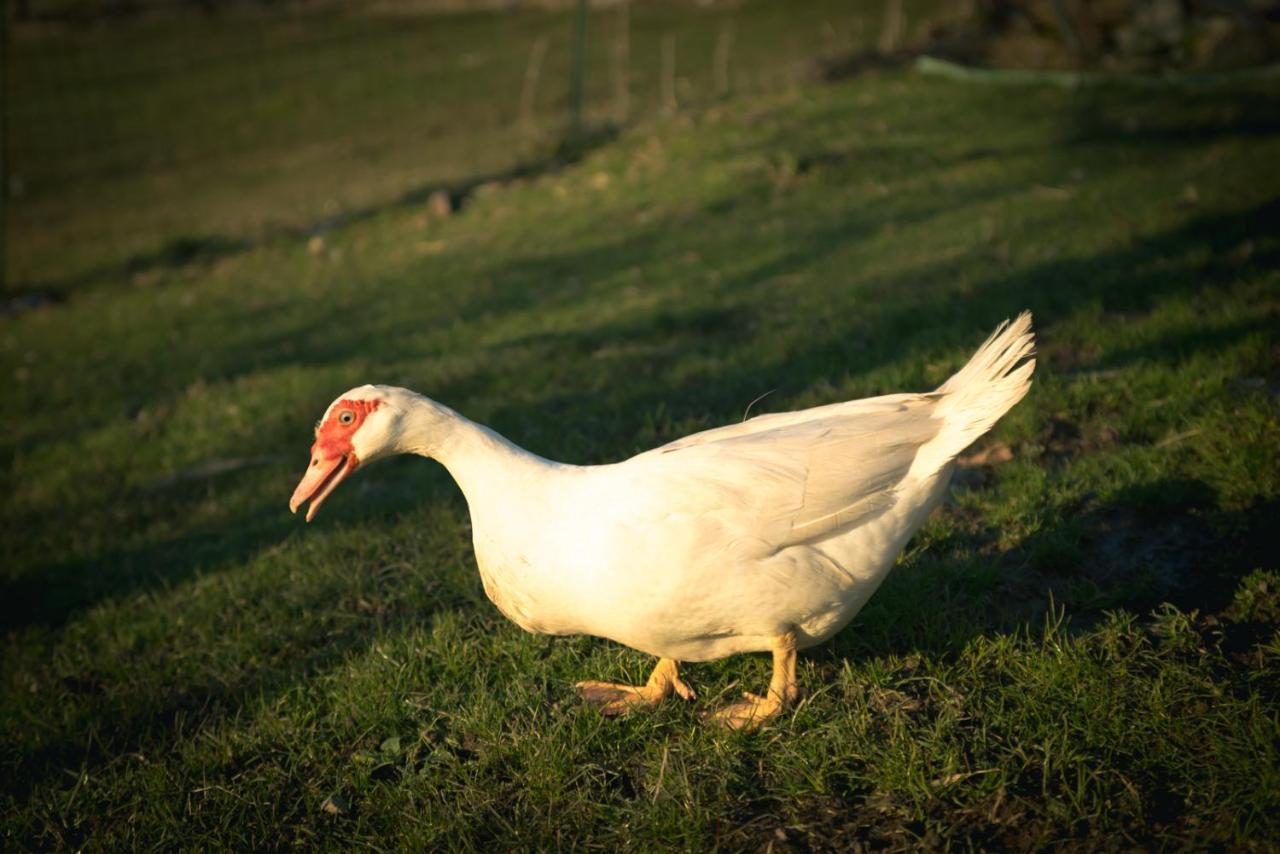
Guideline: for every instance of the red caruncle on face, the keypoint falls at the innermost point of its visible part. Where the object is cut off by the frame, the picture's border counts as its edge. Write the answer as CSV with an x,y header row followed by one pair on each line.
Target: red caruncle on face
x,y
333,435
333,455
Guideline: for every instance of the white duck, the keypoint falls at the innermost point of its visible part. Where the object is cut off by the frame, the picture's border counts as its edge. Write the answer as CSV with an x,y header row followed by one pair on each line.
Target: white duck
x,y
765,535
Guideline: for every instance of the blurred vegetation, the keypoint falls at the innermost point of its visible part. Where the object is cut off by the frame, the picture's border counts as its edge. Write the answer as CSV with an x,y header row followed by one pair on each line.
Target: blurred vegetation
x,y
140,140
1117,35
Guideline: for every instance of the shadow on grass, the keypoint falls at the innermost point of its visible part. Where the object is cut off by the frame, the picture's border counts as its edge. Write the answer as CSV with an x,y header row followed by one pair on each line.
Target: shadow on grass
x,y
1204,115
1147,544
110,723
1125,280
913,330
194,250
1157,542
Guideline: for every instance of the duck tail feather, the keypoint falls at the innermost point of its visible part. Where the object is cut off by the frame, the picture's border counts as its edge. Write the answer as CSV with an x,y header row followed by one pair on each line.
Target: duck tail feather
x,y
980,393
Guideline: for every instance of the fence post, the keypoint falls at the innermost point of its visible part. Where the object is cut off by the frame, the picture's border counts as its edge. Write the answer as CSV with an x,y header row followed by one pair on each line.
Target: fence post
x,y
529,91
579,66
668,71
724,43
622,63
5,181
892,28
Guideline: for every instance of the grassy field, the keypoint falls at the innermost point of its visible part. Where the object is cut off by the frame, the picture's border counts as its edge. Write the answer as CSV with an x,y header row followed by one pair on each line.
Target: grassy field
x,y
146,141
1080,648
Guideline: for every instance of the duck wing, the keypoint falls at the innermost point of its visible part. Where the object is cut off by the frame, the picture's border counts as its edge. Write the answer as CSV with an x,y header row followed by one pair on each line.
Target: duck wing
x,y
797,477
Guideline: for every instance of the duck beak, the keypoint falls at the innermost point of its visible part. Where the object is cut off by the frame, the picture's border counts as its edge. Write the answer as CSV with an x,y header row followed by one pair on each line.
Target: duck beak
x,y
322,477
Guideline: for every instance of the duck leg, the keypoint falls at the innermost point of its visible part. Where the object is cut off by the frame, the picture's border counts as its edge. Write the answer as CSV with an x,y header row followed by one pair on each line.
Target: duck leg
x,y
614,699
753,710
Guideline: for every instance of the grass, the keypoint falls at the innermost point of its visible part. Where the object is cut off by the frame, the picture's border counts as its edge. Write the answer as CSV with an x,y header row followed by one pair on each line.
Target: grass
x,y
201,138
1079,649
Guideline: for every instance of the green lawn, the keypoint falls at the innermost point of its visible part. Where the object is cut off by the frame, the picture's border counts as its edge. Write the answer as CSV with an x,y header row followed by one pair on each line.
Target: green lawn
x,y
1080,648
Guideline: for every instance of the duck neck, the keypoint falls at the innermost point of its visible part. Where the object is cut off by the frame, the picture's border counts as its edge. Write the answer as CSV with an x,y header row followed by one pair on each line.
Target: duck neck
x,y
483,462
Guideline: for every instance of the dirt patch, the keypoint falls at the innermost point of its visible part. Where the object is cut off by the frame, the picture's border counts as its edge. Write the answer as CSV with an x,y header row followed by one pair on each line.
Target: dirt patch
x,y
974,469
1164,542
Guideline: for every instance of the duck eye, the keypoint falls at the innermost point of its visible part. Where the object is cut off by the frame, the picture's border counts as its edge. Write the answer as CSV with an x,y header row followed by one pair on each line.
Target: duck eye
x,y
346,417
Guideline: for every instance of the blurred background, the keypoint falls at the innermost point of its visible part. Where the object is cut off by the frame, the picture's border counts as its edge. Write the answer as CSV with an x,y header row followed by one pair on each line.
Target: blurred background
x,y
147,133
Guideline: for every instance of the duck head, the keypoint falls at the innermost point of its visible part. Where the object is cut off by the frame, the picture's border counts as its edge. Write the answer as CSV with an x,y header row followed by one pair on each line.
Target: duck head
x,y
359,427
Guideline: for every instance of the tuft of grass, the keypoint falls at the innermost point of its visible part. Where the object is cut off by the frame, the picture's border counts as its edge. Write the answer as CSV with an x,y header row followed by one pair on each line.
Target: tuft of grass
x,y
1080,648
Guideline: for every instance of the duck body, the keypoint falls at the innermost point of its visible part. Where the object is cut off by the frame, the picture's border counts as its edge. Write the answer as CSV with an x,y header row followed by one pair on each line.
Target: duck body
x,y
765,535
641,553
